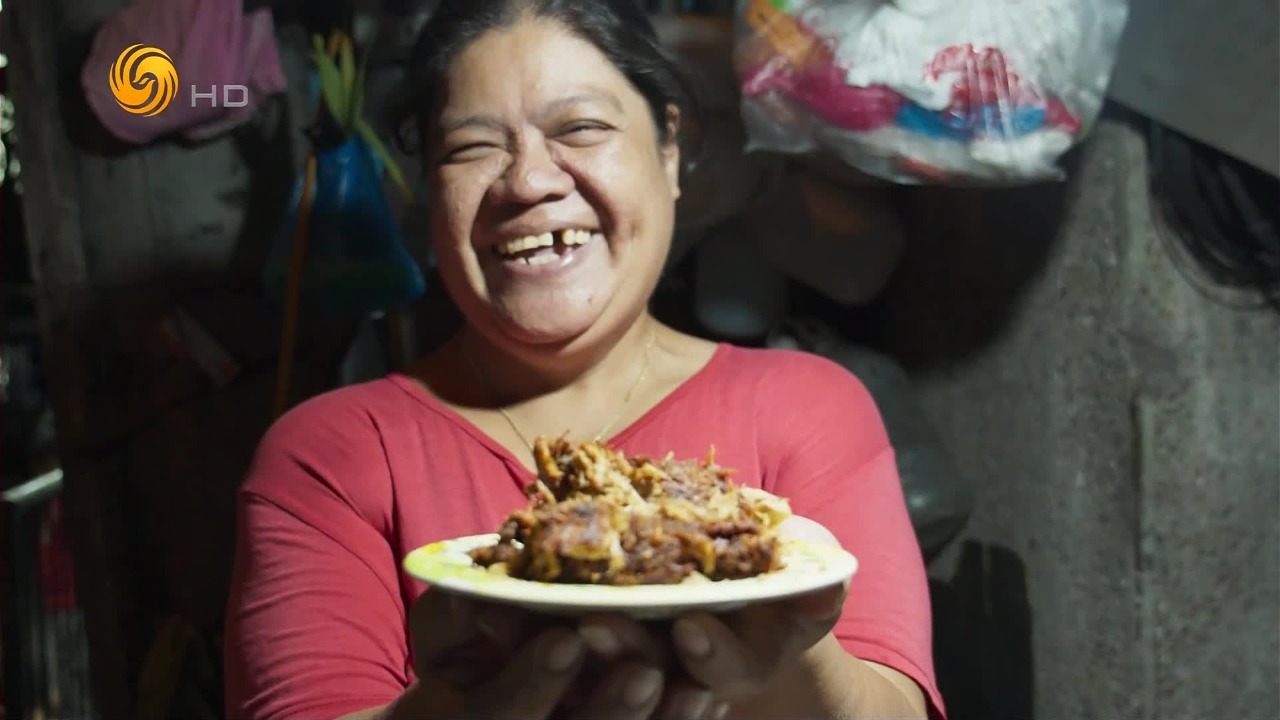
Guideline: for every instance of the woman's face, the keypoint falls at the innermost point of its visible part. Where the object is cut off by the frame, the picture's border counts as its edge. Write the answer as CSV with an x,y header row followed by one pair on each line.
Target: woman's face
x,y
553,196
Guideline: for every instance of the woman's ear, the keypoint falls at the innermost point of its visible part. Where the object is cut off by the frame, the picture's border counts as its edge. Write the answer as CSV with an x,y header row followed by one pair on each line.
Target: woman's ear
x,y
671,150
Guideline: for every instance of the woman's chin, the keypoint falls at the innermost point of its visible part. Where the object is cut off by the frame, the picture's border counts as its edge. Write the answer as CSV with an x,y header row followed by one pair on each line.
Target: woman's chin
x,y
551,315
550,327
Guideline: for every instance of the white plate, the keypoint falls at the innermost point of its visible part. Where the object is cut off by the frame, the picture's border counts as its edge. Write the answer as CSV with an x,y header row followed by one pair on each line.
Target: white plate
x,y
808,567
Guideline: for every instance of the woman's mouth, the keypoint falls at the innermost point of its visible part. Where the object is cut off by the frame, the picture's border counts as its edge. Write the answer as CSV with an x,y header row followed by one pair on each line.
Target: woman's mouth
x,y
547,250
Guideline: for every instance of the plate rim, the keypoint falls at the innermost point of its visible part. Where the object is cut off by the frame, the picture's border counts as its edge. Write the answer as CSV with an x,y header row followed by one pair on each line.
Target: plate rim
x,y
609,598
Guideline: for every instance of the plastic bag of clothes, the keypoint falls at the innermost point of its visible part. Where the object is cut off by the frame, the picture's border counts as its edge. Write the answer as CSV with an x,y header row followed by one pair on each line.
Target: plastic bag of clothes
x,y
937,91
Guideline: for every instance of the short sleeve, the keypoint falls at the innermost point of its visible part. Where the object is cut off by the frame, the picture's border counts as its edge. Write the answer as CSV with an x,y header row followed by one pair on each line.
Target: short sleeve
x,y
315,620
825,448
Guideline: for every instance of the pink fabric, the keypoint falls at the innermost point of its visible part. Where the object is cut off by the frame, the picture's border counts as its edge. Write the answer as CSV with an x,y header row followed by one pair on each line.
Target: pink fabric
x,y
211,42
346,484
821,88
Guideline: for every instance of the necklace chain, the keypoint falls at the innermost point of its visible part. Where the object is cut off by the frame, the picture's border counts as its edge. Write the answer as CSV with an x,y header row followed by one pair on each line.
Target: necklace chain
x,y
626,399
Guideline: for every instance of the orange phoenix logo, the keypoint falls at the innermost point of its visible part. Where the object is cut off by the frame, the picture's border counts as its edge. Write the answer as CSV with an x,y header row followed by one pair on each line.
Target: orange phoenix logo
x,y
144,80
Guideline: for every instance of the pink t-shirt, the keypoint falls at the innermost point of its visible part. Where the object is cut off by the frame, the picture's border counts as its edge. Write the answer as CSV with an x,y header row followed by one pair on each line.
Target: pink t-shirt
x,y
346,484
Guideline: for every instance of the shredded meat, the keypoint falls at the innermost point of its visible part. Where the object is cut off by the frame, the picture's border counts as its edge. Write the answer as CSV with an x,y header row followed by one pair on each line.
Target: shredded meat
x,y
596,516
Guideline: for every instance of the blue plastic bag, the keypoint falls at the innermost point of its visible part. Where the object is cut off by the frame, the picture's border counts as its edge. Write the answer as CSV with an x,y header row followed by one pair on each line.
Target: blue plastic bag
x,y
356,259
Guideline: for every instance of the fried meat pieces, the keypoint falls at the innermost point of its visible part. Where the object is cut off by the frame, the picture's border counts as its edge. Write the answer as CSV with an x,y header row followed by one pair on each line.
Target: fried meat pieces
x,y
598,517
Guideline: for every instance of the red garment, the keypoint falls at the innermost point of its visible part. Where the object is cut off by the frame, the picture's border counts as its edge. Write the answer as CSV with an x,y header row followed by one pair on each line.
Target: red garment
x,y
346,484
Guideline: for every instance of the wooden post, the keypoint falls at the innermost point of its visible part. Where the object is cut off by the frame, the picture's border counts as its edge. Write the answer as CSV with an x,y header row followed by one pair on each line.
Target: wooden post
x,y
31,32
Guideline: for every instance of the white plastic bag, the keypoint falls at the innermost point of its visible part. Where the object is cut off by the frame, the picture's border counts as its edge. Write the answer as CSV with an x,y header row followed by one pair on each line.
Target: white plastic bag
x,y
937,91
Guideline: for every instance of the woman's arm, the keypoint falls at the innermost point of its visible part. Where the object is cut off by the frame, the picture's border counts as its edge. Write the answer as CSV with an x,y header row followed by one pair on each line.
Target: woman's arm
x,y
825,448
315,621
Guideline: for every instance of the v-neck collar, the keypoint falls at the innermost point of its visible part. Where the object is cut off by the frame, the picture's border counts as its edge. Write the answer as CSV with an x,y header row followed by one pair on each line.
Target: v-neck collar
x,y
419,392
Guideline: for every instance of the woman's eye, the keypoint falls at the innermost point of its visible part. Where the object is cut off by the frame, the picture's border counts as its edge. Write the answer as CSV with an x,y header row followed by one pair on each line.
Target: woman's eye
x,y
583,131
464,153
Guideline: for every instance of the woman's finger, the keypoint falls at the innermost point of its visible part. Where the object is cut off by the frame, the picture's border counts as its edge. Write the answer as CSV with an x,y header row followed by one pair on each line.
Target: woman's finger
x,y
737,655
456,640
439,623
732,666
631,691
617,636
685,700
507,627
534,681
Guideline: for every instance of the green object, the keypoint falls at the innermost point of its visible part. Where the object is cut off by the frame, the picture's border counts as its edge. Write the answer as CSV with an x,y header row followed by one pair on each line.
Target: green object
x,y
342,91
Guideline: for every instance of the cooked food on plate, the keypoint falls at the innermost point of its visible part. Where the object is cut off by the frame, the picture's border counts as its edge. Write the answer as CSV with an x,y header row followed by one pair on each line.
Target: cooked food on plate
x,y
598,517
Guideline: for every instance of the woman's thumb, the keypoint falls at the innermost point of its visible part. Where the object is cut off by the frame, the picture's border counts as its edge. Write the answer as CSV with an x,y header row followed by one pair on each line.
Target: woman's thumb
x,y
439,622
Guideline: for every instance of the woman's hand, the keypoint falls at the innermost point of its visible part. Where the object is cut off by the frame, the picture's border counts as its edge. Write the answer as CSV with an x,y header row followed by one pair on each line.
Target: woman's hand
x,y
738,656
478,661
713,662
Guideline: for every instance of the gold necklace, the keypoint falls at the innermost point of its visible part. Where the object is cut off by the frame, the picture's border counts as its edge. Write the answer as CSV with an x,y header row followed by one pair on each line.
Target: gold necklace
x,y
626,399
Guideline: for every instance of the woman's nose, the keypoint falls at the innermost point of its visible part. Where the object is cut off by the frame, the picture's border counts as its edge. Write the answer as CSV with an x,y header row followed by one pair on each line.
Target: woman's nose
x,y
535,176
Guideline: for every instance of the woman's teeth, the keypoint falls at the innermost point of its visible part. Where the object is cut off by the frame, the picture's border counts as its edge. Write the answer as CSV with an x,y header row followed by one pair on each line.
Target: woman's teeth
x,y
529,249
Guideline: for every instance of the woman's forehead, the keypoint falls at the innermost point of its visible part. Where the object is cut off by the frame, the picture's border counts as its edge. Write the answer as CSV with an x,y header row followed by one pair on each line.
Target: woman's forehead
x,y
532,66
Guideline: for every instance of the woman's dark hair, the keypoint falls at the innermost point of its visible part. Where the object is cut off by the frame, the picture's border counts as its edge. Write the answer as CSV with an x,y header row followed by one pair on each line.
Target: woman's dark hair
x,y
620,29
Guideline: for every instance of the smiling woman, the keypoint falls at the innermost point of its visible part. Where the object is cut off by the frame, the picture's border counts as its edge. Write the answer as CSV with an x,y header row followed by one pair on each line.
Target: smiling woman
x,y
557,175
549,132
